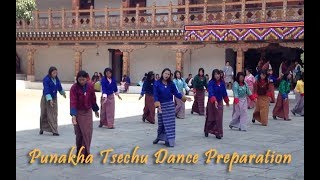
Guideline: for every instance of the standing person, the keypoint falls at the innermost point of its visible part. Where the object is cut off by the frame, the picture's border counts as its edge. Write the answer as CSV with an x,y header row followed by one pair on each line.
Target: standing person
x,y
259,67
187,81
299,91
157,77
147,89
250,80
283,67
297,71
100,76
95,77
126,83
272,80
241,92
82,102
281,109
109,88
261,91
228,75
199,83
163,92
214,112
49,102
207,77
222,76
181,84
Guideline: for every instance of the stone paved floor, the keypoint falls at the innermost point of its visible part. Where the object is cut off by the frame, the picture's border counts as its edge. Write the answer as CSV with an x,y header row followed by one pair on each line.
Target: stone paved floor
x,y
280,136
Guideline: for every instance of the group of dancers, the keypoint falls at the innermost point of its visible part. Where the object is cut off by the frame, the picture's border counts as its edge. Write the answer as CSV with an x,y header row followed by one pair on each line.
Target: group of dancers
x,y
167,96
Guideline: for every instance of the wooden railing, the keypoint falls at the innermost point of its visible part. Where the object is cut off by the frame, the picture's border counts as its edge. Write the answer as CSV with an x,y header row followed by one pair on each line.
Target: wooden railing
x,y
164,17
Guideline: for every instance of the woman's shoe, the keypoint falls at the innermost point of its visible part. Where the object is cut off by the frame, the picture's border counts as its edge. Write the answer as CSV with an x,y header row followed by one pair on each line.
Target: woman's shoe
x,y
218,137
156,141
41,132
274,117
143,119
206,134
253,120
55,134
293,112
100,126
230,127
191,112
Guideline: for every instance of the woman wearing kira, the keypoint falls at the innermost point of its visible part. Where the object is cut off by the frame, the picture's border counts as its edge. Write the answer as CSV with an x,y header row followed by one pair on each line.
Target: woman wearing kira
x,y
82,103
49,102
241,92
281,109
199,85
214,112
272,81
261,91
299,91
147,90
109,88
250,80
181,84
163,91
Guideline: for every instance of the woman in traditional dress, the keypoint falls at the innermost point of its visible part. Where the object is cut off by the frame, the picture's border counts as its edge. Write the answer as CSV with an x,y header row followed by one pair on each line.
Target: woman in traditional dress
x,y
147,89
181,84
95,77
272,81
261,91
199,83
299,91
109,88
250,80
281,109
241,92
163,92
82,102
214,112
228,75
49,102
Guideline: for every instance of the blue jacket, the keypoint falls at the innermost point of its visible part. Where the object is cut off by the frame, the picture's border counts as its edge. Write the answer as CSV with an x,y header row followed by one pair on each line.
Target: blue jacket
x,y
51,87
164,93
218,91
108,88
147,88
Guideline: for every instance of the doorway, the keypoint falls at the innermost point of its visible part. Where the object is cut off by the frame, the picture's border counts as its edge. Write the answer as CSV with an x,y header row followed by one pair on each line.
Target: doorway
x,y
275,53
116,63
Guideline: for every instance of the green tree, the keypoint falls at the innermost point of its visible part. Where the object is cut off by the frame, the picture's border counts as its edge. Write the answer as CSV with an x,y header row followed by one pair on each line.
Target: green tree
x,y
24,9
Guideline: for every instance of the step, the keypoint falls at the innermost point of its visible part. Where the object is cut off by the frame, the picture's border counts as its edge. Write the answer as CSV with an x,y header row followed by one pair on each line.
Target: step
x,y
21,76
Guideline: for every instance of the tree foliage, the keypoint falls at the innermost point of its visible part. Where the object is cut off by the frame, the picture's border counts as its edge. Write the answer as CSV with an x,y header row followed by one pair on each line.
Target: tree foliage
x,y
24,9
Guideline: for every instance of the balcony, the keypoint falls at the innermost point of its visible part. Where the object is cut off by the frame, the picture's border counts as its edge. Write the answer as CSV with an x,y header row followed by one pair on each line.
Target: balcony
x,y
171,17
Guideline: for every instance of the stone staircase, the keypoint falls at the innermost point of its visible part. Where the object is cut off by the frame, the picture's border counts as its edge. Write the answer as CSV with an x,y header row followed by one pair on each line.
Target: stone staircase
x,y
21,77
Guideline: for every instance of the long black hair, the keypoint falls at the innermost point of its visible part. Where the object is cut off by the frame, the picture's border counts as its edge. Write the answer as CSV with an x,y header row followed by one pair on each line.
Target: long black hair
x,y
201,69
83,74
169,79
149,76
175,74
285,76
51,69
107,70
238,77
262,72
214,72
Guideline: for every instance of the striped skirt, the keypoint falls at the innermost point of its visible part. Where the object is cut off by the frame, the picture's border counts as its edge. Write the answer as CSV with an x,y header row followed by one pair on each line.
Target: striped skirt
x,y
262,109
83,130
149,109
49,115
107,111
167,123
214,119
299,107
239,114
180,108
198,104
281,109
